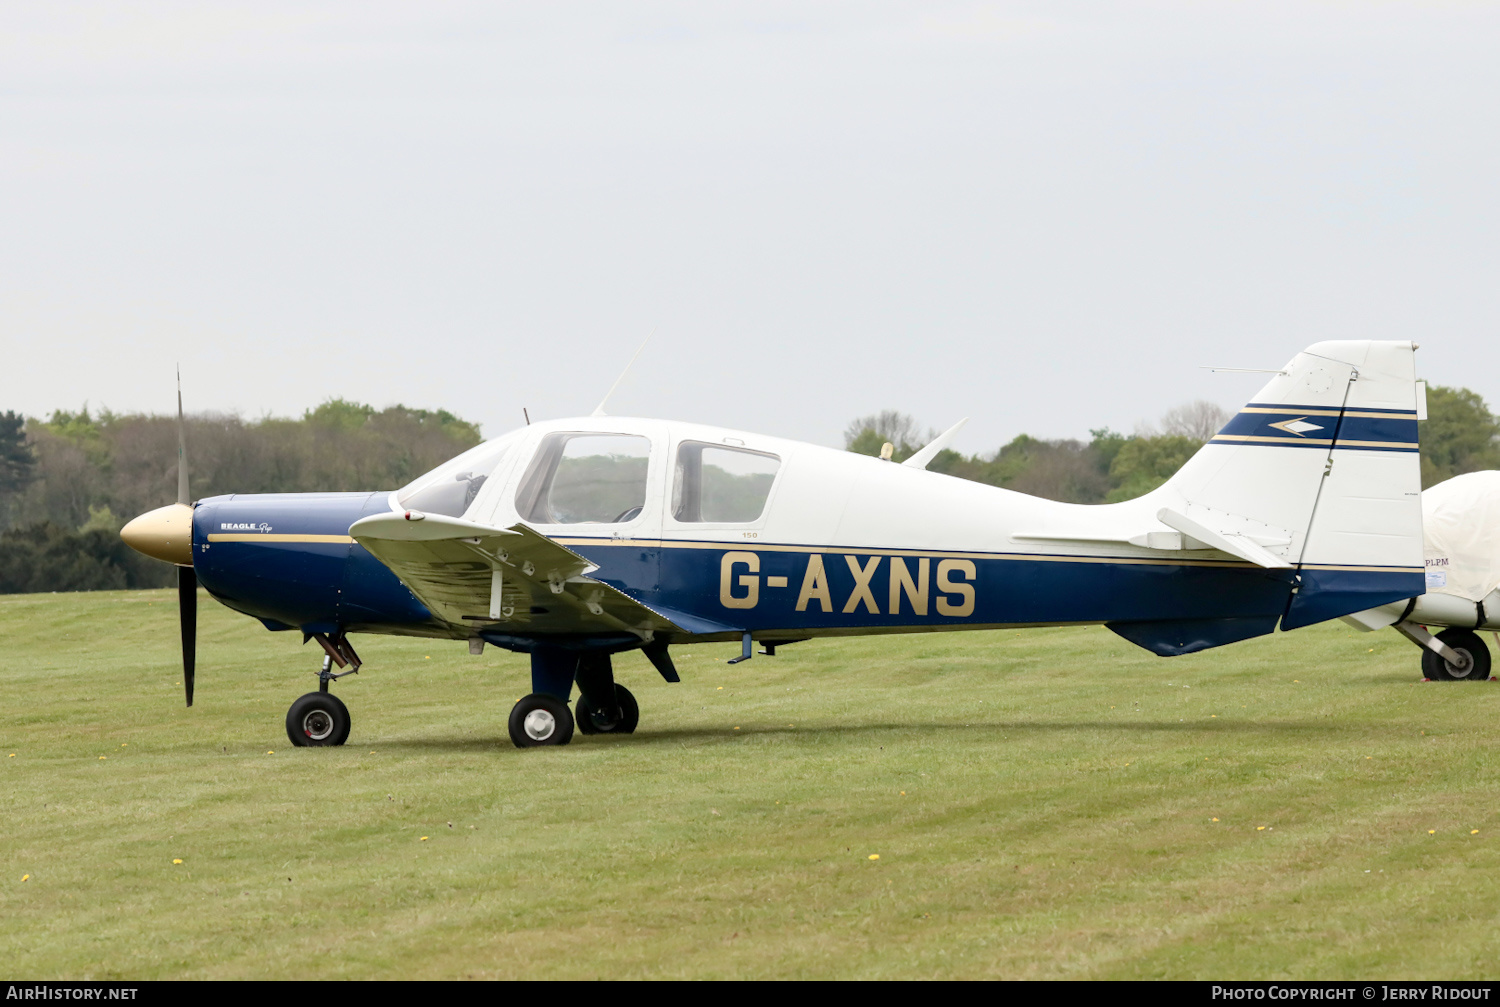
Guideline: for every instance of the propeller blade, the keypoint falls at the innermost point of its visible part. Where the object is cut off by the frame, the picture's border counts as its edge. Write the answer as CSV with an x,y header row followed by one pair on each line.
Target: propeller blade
x,y
187,577
187,614
183,496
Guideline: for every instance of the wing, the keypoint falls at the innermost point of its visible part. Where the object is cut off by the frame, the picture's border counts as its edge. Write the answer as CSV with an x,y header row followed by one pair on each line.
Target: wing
x,y
510,579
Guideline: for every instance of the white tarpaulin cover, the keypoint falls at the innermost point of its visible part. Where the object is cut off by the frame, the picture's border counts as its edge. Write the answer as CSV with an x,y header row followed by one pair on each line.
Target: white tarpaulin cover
x,y
1461,525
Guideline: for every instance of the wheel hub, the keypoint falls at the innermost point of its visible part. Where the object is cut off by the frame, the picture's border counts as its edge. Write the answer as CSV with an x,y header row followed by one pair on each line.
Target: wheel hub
x,y
539,725
317,725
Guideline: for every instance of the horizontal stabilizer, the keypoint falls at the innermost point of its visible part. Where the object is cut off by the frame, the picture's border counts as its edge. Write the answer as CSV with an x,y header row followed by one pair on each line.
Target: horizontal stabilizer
x,y
1187,535
1230,542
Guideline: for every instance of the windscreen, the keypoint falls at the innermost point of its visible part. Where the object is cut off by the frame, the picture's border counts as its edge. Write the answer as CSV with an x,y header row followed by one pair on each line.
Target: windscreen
x,y
450,488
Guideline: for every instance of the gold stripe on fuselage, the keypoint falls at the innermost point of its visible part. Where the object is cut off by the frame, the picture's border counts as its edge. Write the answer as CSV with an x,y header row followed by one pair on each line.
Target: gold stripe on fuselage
x,y
281,539
933,553
841,550
942,554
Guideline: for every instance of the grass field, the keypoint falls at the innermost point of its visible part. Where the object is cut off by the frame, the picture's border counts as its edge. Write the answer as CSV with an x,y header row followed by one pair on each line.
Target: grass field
x,y
1043,803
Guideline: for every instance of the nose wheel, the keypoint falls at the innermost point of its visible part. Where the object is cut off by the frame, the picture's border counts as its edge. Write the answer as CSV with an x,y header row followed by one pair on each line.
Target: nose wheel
x,y
317,719
321,718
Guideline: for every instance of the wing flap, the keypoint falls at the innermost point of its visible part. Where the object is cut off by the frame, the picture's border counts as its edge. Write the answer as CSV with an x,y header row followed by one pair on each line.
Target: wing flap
x,y
513,579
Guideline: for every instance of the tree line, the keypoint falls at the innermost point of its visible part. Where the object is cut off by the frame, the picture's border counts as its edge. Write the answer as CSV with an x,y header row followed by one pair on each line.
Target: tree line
x,y
1460,435
69,482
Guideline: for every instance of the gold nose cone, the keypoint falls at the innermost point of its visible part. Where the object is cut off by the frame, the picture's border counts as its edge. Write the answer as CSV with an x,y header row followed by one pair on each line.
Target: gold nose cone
x,y
165,533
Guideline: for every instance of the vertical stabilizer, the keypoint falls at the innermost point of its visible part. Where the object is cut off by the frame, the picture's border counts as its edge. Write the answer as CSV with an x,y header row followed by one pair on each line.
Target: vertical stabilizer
x,y
1321,471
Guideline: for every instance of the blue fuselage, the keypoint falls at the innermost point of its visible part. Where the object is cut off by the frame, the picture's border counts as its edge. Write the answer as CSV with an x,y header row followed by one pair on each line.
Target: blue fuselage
x,y
288,560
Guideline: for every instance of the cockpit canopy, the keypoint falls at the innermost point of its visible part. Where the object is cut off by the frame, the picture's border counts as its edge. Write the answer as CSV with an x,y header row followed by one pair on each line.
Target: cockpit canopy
x,y
453,485
602,477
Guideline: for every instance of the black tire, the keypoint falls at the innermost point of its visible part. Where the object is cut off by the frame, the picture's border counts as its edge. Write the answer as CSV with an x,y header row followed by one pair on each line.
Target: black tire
x,y
317,719
630,715
1467,642
539,719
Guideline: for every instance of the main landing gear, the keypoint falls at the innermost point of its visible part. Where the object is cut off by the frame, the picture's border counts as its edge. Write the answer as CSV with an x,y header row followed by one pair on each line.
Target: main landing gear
x,y
1473,664
321,718
1454,655
604,706
542,718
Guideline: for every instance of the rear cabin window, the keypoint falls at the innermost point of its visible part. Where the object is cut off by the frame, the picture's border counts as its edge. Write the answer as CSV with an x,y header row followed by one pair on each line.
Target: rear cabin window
x,y
718,484
585,479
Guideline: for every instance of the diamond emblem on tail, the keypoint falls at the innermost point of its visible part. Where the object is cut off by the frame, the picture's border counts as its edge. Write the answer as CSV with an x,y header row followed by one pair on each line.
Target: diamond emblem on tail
x,y
1298,426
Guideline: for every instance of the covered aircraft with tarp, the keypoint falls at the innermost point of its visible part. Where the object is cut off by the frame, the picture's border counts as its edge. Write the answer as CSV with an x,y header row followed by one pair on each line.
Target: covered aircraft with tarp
x,y
1461,546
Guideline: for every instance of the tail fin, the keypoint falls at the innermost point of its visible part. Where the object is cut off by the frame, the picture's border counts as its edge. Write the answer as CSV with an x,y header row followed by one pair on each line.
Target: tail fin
x,y
1321,473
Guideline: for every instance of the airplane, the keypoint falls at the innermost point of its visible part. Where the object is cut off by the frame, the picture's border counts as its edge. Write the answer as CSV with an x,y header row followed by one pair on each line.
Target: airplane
x,y
578,539
1461,530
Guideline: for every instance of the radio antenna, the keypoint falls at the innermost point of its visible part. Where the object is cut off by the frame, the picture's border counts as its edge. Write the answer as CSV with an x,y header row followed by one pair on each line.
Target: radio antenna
x,y
599,409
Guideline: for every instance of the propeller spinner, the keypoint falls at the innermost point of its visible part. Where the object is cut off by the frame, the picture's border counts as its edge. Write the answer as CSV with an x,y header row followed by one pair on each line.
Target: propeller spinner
x,y
167,534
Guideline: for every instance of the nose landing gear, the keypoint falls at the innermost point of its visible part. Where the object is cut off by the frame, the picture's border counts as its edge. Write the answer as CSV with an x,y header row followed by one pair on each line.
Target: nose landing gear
x,y
321,718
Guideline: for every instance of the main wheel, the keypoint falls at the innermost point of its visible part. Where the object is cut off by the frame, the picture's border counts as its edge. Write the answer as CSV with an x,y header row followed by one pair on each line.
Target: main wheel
x,y
539,719
590,722
1470,646
316,719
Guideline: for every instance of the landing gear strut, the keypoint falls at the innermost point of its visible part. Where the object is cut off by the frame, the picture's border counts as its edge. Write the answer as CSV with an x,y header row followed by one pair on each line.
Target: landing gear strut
x,y
604,706
321,718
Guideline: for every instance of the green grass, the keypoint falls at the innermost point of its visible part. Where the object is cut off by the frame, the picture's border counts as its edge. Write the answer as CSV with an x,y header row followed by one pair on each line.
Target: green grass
x,y
1058,817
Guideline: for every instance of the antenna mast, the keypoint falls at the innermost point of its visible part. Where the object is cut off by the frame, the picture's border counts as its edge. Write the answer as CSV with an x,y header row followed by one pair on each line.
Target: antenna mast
x,y
599,409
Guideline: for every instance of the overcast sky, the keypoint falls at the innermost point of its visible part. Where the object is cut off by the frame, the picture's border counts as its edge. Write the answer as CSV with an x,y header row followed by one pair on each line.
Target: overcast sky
x,y
1044,216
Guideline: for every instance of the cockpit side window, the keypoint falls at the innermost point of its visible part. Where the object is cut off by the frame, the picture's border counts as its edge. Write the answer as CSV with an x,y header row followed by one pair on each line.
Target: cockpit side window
x,y
452,486
585,478
719,484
